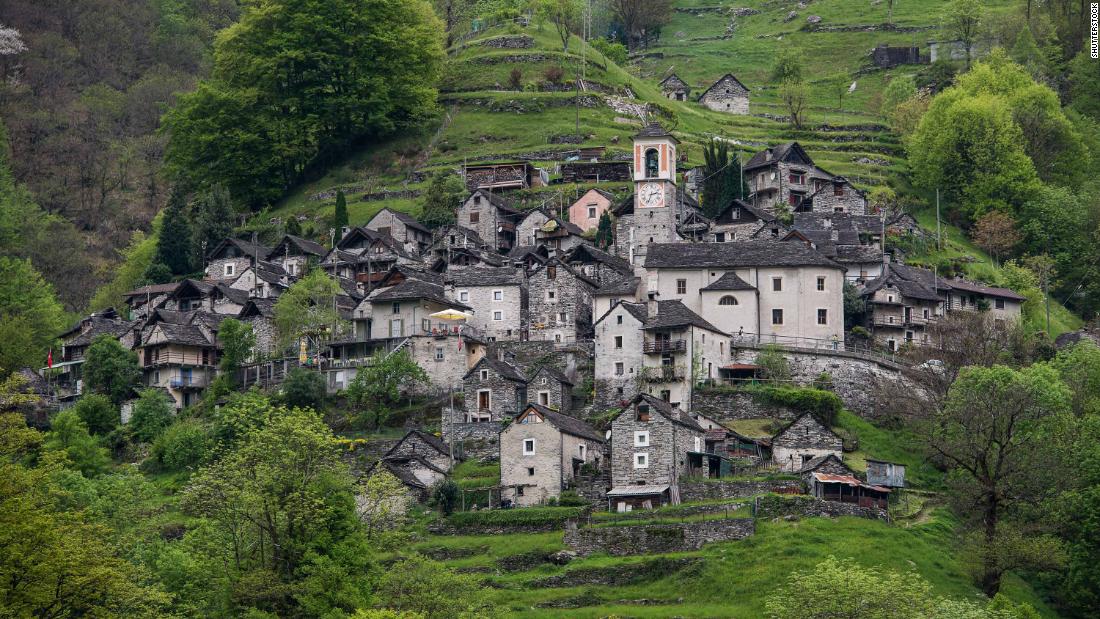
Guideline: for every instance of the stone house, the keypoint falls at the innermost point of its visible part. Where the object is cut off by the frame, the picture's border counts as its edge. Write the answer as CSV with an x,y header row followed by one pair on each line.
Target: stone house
x,y
586,212
783,292
226,260
225,299
628,289
417,443
508,175
541,227
674,88
680,348
66,374
801,441
415,473
296,255
365,256
260,314
542,451
836,196
597,265
741,221
263,280
854,241
179,352
1003,305
403,227
727,94
619,341
492,216
498,298
493,391
190,294
901,304
650,440
447,239
144,300
550,388
559,303
829,463
887,57
785,174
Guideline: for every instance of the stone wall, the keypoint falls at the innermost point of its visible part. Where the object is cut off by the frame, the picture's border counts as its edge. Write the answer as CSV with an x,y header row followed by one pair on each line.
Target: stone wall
x,y
655,539
594,487
783,506
517,41
728,96
702,491
726,406
567,358
477,441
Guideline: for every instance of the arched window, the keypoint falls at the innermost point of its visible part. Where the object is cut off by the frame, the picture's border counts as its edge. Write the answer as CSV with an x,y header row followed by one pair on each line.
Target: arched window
x,y
729,299
651,162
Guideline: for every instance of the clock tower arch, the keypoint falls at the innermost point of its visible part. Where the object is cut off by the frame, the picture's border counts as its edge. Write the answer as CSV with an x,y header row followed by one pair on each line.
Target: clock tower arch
x,y
651,216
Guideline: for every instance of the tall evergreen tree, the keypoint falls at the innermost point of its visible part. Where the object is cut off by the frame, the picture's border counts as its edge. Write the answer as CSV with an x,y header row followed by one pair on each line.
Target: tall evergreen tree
x,y
340,218
722,177
174,241
212,222
293,226
604,235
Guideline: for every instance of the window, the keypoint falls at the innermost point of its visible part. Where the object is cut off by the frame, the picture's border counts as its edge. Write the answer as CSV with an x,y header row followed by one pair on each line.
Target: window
x,y
719,237
641,438
485,375
498,315
591,212
641,461
618,369
581,451
544,398
838,190
926,312
619,319
530,471
821,283
642,413
777,316
484,400
838,209
999,303
384,230
475,217
681,286
822,317
229,270
735,213
563,317
551,272
463,295
519,490
550,295
426,325
528,446
777,284
498,295
797,178
396,308
729,299
618,341
438,353
651,162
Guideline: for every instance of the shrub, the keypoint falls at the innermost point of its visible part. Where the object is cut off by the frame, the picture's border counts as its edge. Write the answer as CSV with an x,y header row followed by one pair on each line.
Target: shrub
x,y
825,405
554,74
519,517
774,365
570,498
445,496
186,444
152,414
98,413
304,389
515,78
612,50
824,382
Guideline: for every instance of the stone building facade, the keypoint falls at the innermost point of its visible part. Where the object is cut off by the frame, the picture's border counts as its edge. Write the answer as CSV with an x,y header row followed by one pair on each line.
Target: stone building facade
x,y
674,88
541,452
403,227
838,196
492,390
618,340
740,221
498,297
231,257
785,174
559,303
801,441
649,444
727,95
492,217
551,389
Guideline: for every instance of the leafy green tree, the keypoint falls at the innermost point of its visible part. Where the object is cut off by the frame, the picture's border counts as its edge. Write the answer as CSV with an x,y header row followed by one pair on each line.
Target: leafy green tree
x,y
136,259
990,435
157,273
855,309
383,502
612,50
304,389
963,22
838,84
379,386
184,445
445,496
1063,223
340,217
152,413
98,412
174,248
566,17
1026,53
795,95
30,316
110,369
212,222
897,91
293,226
605,234
1076,507
789,65
441,200
308,308
722,173
238,341
1079,367
774,364
296,84
69,436
427,587
1084,85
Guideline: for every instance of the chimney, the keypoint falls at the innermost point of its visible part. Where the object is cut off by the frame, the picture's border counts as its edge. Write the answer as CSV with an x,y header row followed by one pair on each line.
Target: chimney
x,y
652,305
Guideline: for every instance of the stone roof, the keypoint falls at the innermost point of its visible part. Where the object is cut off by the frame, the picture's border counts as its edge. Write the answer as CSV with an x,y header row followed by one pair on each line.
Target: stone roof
x,y
674,314
152,290
240,297
674,415
729,281
304,246
624,286
247,248
815,463
258,307
963,285
187,335
598,255
794,421
908,288
406,219
673,82
502,368
725,78
554,373
760,213
413,289
567,424
654,130
431,440
100,326
497,200
734,254
778,153
481,276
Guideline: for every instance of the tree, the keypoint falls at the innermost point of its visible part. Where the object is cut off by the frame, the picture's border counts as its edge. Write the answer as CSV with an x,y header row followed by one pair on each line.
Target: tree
x,y
340,216
963,22
212,217
377,387
794,95
296,84
991,436
441,200
382,503
1084,88
69,436
722,182
174,248
897,91
839,85
304,389
789,66
238,341
98,412
152,413
182,446
110,369
30,316
774,364
640,17
855,308
612,50
423,586
292,226
604,231
566,17
135,261
308,308
445,496
996,233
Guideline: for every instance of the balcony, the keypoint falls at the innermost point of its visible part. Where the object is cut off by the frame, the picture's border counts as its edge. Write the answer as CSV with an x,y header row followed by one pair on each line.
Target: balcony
x,y
656,347
175,358
664,374
188,382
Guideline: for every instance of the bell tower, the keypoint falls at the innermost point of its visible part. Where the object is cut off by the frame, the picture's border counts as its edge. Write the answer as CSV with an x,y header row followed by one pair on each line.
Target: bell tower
x,y
654,168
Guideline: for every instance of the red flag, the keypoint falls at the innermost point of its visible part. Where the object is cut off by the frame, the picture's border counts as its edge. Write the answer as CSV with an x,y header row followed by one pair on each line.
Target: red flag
x,y
49,359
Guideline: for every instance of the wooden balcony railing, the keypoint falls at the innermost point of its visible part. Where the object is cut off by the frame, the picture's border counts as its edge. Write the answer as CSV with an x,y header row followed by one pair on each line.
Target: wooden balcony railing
x,y
664,346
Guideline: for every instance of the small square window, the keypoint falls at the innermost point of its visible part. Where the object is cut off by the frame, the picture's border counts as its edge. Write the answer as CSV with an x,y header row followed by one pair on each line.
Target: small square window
x,y
641,461
777,316
475,217
498,295
777,284
528,446
618,369
498,315
550,295
821,283
229,268
463,295
530,471
999,303
641,438
485,375
591,212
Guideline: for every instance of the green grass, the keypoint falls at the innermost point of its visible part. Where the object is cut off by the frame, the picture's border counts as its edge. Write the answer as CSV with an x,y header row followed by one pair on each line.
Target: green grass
x,y
753,428
900,446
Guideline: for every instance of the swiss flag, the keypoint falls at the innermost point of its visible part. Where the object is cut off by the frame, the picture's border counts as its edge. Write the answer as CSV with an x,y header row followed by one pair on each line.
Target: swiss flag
x,y
49,359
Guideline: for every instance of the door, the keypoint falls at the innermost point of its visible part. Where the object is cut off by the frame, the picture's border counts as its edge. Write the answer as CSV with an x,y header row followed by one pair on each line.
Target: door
x,y
908,314
397,327
483,400
185,376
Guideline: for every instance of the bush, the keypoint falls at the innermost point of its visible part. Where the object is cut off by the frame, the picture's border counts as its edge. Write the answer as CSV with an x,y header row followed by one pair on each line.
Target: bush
x,y
612,50
186,444
98,413
445,496
774,365
304,389
554,74
519,517
152,414
570,498
823,382
825,405
515,78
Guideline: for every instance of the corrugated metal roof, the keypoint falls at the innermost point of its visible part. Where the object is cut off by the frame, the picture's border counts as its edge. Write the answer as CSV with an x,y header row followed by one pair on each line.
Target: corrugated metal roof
x,y
827,478
637,490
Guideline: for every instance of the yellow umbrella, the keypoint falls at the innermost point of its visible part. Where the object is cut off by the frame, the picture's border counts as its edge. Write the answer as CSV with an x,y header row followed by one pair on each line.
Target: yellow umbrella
x,y
450,314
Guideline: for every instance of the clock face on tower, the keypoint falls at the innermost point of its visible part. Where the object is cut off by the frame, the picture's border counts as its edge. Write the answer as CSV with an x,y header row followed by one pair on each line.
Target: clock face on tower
x,y
651,195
